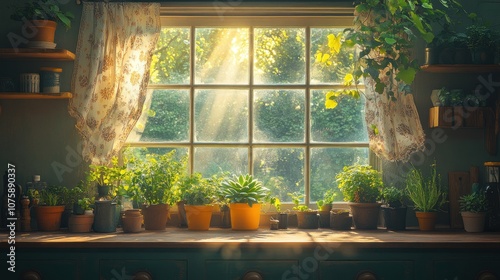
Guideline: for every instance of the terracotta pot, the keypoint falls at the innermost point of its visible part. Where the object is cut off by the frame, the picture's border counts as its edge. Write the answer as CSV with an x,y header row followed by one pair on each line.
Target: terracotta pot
x,y
155,216
48,218
198,216
132,221
244,217
365,215
80,223
307,220
395,218
474,222
40,30
426,220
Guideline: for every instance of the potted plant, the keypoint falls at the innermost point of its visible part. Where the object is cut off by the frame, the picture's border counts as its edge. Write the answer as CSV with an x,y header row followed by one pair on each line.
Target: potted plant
x,y
40,19
482,42
50,208
108,178
81,220
307,218
427,196
324,208
361,186
156,177
473,209
245,195
394,210
198,194
340,219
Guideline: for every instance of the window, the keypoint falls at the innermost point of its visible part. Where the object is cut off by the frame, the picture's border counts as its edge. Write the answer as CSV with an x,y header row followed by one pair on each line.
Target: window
x,y
246,94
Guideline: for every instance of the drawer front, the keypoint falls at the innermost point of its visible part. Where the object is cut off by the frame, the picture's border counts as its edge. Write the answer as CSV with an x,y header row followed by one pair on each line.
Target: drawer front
x,y
235,270
383,270
127,269
466,269
46,269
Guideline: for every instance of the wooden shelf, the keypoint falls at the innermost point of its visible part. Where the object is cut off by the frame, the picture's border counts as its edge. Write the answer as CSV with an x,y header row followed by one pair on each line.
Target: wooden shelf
x,y
461,68
48,54
22,95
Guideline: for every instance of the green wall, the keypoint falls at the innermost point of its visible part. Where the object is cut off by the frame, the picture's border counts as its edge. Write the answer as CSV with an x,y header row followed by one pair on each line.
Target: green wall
x,y
39,135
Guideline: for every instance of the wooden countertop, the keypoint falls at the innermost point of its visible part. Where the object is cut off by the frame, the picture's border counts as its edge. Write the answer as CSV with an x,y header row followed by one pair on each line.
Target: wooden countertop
x,y
263,238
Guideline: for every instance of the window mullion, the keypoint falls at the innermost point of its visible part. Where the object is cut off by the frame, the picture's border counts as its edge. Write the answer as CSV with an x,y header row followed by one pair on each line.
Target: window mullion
x,y
250,100
192,36
307,150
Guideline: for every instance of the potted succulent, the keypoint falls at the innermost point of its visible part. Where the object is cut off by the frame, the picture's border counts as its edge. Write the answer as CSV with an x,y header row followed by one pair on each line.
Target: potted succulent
x,y
427,196
361,186
245,195
155,178
473,209
394,210
324,208
40,19
198,194
50,208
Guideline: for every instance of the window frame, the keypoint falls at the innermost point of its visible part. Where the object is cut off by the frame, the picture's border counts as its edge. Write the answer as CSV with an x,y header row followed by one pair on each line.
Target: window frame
x,y
227,16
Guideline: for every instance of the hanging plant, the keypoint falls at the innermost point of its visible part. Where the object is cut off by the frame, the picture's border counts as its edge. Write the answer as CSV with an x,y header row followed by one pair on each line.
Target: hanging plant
x,y
384,35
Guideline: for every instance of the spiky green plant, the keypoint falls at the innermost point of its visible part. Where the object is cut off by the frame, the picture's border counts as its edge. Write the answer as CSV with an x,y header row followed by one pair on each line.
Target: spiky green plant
x,y
426,192
244,189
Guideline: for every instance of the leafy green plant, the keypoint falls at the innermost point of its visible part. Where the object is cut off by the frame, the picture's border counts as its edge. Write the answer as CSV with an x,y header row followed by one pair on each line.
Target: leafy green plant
x,y
328,198
385,32
360,183
109,175
473,202
154,178
296,199
196,190
244,189
393,197
480,36
42,10
52,195
426,192
86,203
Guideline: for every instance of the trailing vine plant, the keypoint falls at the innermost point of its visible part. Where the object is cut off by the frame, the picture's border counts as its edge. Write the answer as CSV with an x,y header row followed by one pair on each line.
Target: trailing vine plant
x,y
384,34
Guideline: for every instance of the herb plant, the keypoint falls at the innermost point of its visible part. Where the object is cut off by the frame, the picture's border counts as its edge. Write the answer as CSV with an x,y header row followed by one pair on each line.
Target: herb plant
x,y
426,192
42,10
360,183
393,197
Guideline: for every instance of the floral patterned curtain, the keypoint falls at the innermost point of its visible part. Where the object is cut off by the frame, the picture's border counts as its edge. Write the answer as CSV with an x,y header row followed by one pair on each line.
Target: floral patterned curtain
x,y
111,72
394,127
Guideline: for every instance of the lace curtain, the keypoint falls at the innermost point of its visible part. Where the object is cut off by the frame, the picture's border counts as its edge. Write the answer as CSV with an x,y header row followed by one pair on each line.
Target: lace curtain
x,y
394,127
111,72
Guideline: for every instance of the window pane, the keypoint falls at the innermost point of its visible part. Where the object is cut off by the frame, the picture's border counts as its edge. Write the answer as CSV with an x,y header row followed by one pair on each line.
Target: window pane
x,y
222,56
279,56
326,163
327,64
280,169
210,161
170,63
221,115
279,115
167,119
345,123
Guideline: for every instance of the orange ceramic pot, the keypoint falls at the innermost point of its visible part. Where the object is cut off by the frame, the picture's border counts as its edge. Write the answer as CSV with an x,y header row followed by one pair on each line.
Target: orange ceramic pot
x,y
198,216
80,223
41,30
244,217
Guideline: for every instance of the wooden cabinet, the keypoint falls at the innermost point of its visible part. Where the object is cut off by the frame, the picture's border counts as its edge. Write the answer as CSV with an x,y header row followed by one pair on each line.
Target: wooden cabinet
x,y
24,54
